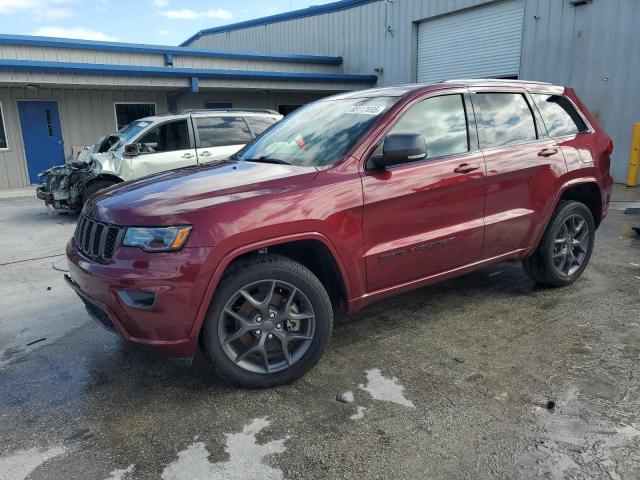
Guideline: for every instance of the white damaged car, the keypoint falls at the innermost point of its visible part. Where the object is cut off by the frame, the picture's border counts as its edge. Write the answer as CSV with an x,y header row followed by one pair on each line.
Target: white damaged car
x,y
151,145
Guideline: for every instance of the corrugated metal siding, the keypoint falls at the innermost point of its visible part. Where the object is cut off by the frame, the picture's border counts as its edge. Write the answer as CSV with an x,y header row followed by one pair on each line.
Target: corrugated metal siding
x,y
249,100
27,52
593,48
85,116
481,42
357,34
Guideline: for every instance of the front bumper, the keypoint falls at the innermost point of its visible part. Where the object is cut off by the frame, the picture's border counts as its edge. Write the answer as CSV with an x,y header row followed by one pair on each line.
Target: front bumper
x,y
177,280
43,193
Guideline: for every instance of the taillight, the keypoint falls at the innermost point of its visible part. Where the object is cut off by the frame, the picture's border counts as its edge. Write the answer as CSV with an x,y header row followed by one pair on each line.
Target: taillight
x,y
610,147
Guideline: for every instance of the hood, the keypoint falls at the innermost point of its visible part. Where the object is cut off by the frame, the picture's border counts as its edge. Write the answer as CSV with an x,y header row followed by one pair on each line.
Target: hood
x,y
170,198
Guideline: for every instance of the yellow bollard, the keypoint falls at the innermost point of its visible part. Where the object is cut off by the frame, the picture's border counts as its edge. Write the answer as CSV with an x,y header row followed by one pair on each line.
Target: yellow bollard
x,y
634,157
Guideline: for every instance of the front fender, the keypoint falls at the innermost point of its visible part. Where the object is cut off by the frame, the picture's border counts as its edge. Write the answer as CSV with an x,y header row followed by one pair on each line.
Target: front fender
x,y
230,256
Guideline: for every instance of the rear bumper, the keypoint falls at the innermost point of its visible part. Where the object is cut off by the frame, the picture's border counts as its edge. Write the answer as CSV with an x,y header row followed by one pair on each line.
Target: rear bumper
x,y
166,325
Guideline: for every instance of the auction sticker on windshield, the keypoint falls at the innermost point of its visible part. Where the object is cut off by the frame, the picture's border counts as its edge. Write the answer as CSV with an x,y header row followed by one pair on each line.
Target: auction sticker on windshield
x,y
366,109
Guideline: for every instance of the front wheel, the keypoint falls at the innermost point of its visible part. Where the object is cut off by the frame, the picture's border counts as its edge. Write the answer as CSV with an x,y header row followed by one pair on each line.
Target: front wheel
x,y
269,322
94,188
565,248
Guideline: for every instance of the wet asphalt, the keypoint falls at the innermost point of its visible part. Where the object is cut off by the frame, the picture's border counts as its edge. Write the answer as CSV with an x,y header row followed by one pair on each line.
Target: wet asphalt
x,y
484,376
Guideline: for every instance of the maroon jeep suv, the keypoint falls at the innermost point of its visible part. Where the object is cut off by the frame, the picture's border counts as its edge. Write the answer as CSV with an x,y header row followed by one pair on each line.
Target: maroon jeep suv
x,y
350,199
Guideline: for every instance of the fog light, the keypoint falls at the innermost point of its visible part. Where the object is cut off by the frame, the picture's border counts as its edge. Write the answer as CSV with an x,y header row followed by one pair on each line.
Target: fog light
x,y
137,298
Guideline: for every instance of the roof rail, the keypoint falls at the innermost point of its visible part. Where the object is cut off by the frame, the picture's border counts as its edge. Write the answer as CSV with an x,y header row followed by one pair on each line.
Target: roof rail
x,y
490,80
229,110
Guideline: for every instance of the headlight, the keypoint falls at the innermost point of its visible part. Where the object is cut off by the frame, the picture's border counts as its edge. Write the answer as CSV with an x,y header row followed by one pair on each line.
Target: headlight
x,y
167,239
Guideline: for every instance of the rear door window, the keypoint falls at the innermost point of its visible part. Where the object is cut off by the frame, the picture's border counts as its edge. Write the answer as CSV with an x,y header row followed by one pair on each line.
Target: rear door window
x,y
260,124
506,117
221,131
442,121
559,115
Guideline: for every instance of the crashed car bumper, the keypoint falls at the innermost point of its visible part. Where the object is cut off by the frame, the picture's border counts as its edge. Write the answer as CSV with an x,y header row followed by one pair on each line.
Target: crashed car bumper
x,y
43,193
62,186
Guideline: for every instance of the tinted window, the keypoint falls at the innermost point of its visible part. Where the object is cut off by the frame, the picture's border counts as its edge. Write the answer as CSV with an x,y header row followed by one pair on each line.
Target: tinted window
x,y
287,109
128,112
217,105
167,137
220,131
3,135
443,123
559,115
506,118
260,124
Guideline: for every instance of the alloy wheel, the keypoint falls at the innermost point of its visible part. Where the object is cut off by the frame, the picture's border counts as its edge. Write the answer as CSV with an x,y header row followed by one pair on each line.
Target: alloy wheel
x,y
267,326
571,245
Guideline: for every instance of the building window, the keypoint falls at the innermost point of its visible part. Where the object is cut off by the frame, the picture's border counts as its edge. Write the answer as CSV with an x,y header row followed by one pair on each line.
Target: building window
x,y
287,109
217,105
4,145
128,112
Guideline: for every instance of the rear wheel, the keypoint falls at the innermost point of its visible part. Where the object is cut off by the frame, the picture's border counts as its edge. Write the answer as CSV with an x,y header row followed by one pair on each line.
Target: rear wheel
x,y
269,322
565,248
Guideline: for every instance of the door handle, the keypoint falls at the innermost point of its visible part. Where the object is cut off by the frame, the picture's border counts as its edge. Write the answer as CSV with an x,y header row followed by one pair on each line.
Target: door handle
x,y
188,155
205,154
547,152
466,168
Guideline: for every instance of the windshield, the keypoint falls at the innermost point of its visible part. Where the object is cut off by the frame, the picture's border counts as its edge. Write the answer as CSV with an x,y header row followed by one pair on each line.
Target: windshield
x,y
318,134
127,133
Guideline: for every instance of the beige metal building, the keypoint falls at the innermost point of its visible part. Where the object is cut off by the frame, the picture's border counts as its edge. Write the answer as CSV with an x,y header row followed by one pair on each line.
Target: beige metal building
x,y
57,95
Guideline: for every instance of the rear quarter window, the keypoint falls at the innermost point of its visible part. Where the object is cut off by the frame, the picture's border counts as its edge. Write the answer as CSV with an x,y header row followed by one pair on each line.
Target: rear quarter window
x,y
559,115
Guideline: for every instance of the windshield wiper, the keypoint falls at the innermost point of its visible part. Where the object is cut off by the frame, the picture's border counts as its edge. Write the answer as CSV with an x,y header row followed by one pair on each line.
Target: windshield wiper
x,y
267,160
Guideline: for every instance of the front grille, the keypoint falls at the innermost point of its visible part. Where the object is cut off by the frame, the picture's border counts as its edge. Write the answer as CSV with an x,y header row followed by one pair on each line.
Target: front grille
x,y
97,240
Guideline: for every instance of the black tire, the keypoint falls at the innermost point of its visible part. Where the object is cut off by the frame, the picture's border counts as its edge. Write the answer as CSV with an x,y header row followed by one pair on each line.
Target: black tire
x,y
240,277
95,187
541,266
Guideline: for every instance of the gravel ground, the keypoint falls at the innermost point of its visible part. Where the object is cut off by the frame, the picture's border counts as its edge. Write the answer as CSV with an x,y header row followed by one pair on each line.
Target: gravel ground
x,y
484,376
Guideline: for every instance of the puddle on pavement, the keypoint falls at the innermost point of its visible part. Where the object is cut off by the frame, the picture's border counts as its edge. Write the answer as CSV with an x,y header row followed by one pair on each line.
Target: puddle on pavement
x,y
359,413
121,474
18,465
246,458
385,389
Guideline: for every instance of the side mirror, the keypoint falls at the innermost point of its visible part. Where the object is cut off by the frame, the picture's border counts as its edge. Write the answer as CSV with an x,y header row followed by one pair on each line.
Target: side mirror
x,y
132,149
401,148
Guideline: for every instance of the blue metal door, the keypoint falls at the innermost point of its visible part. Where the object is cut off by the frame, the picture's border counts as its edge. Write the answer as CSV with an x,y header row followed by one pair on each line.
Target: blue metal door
x,y
41,134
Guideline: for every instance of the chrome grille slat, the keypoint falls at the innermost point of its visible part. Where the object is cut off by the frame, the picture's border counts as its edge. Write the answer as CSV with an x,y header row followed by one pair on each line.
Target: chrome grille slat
x,y
97,240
